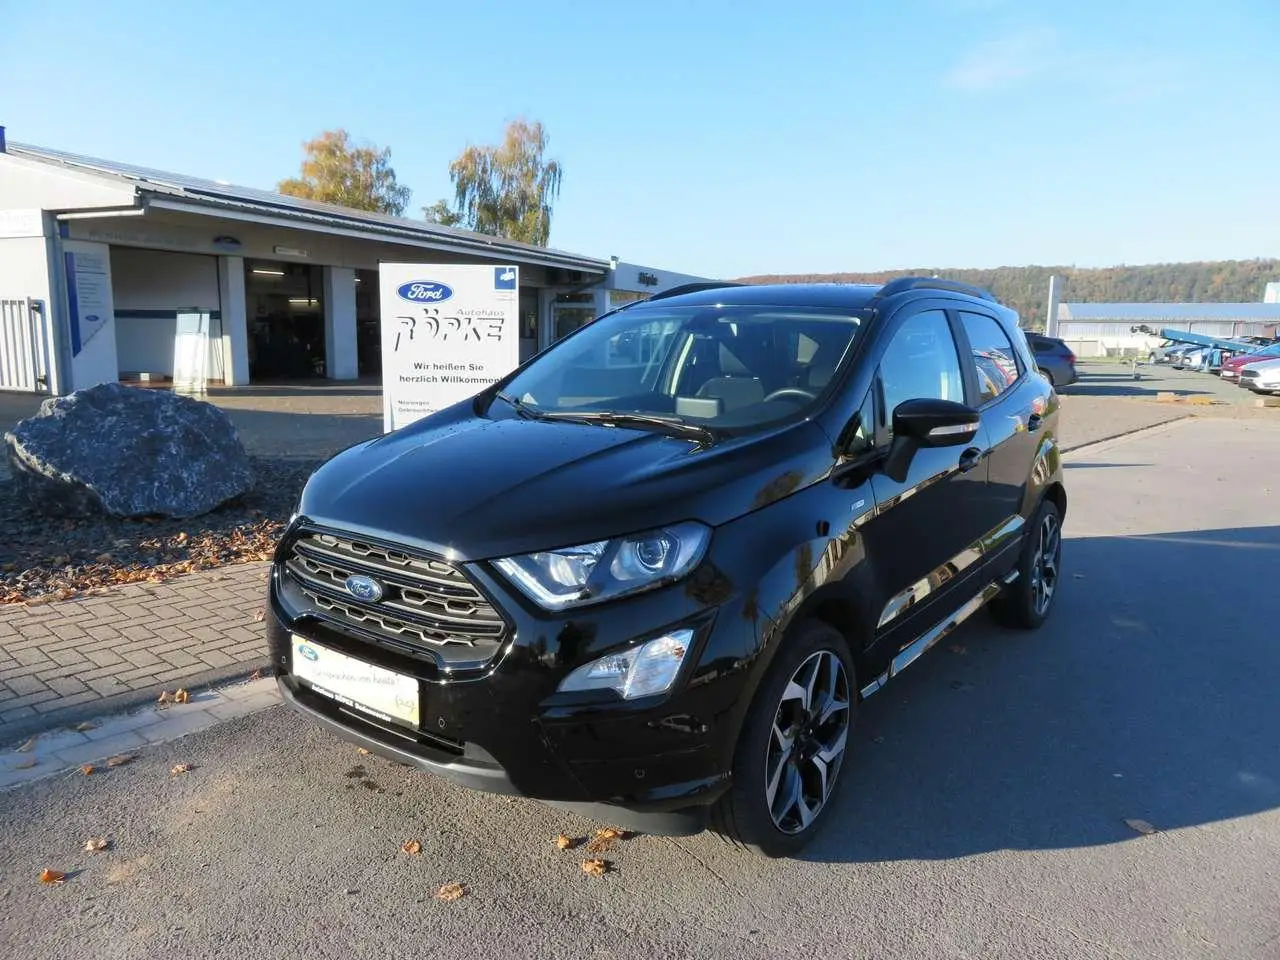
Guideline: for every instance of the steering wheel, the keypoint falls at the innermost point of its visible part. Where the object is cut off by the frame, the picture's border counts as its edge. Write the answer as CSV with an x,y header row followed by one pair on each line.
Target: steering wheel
x,y
791,393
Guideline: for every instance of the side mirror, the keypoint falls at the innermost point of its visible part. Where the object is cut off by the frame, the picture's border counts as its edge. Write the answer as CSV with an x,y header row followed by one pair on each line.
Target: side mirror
x,y
927,423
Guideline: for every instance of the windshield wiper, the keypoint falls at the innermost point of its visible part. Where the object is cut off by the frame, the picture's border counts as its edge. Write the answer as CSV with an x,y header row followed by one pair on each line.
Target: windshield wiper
x,y
520,407
615,418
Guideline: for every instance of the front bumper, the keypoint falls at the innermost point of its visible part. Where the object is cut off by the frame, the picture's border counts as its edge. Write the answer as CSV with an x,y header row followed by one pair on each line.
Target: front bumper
x,y
648,766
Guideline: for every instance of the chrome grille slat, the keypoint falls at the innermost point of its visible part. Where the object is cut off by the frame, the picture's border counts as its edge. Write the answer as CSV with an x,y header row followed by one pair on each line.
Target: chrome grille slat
x,y
453,584
474,619
427,602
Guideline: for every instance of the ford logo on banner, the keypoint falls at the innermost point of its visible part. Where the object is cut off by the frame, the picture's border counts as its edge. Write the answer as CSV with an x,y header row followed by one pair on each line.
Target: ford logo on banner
x,y
364,588
424,291
308,652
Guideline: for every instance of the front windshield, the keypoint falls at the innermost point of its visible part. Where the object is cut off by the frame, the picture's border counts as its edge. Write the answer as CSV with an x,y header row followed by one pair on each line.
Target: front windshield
x,y
714,366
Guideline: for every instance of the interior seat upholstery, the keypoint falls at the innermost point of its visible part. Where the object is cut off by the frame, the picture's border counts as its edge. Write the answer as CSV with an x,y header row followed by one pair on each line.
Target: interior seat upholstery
x,y
736,386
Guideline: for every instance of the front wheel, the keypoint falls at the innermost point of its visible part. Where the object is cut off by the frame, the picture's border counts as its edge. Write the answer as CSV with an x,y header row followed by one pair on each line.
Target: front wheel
x,y
1026,602
791,751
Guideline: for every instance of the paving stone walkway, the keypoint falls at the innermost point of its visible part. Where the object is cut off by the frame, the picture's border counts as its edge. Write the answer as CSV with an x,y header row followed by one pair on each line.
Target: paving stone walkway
x,y
62,662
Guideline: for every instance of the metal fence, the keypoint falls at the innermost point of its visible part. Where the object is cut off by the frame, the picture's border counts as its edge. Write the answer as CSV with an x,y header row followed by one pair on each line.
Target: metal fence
x,y
24,345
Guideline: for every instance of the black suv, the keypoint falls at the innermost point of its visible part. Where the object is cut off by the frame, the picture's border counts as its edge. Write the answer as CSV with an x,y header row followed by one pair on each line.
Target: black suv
x,y
650,574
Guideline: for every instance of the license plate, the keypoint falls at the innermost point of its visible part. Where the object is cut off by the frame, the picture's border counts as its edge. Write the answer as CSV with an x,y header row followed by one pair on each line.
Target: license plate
x,y
375,690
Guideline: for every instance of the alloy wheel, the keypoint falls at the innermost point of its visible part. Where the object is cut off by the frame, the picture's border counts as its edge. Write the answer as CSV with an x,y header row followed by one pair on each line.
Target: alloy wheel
x,y
1044,565
807,744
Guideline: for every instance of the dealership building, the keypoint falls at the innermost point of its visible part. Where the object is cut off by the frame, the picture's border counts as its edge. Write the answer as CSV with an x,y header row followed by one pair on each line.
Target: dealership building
x,y
106,267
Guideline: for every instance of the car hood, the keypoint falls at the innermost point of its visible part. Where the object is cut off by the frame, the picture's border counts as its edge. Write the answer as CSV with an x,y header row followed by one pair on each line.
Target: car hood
x,y
1269,363
476,488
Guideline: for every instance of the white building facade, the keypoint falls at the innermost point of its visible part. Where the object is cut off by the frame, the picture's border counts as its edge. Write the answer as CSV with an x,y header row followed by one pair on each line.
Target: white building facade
x,y
105,267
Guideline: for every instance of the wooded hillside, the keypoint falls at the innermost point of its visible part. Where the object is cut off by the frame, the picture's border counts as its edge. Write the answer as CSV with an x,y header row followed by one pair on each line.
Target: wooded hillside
x,y
1026,289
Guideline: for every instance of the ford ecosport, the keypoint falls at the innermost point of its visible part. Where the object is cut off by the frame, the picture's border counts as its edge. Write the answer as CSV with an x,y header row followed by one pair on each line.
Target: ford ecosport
x,y
651,574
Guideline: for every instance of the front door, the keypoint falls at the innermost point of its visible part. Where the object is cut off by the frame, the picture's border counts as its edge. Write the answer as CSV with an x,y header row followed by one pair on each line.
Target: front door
x,y
925,539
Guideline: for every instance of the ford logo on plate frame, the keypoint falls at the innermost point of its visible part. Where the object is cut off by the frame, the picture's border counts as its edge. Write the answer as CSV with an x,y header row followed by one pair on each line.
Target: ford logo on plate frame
x,y
364,588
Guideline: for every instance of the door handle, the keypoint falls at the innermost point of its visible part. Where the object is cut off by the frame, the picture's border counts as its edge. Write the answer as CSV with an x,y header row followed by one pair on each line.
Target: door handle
x,y
971,458
1033,422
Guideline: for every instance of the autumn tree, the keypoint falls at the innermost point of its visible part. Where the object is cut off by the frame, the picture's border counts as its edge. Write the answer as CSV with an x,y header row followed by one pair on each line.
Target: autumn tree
x,y
505,190
337,171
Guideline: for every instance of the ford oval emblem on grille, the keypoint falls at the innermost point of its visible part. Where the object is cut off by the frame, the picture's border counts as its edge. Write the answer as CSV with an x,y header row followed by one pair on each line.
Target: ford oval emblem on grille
x,y
364,588
308,652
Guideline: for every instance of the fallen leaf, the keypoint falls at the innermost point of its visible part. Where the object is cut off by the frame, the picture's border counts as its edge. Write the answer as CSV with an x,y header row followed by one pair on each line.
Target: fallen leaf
x,y
181,696
565,843
26,764
602,841
1141,826
451,891
181,768
595,867
257,675
97,844
28,746
412,847
120,760
165,697
87,725
259,617
362,751
87,768
52,876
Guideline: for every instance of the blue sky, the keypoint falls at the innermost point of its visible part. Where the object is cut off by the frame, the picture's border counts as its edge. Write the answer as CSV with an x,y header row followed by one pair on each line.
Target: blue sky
x,y
724,138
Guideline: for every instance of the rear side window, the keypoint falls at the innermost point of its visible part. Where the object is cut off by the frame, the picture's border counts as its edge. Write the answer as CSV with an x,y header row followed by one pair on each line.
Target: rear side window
x,y
993,357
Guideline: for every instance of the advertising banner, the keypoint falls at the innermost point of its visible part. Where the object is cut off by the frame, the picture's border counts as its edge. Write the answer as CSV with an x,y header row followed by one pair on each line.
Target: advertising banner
x,y
448,331
88,295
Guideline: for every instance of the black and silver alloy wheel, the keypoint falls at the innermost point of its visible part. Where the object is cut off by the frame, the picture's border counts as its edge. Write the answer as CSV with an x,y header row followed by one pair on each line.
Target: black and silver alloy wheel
x,y
1027,601
792,746
1044,563
807,745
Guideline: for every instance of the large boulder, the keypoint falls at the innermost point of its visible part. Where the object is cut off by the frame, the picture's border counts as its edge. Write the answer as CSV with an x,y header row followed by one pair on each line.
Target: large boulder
x,y
127,452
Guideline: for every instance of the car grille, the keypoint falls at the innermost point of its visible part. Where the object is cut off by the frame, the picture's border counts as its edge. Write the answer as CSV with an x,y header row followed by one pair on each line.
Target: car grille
x,y
1249,375
426,602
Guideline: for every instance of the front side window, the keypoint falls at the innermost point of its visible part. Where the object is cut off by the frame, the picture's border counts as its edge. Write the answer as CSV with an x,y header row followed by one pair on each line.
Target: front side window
x,y
921,362
721,366
993,355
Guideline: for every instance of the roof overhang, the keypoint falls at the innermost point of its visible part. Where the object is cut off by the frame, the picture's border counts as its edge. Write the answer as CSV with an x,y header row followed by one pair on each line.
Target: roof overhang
x,y
474,244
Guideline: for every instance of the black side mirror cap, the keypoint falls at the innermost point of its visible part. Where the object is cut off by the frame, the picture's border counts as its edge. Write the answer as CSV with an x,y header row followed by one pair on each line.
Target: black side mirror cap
x,y
926,422
936,423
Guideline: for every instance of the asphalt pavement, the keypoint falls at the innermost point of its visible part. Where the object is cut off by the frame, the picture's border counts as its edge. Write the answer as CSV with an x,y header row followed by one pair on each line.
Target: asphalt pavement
x,y
982,812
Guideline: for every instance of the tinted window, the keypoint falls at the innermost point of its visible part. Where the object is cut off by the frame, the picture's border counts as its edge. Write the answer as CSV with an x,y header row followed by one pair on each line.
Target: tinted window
x,y
921,362
994,358
724,366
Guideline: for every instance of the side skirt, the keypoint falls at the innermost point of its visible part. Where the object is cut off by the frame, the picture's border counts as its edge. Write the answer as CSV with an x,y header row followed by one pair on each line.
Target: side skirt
x,y
914,650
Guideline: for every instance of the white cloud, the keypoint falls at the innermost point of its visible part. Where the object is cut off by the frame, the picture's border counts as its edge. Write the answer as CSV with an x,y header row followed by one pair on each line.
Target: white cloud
x,y
1000,62
1118,75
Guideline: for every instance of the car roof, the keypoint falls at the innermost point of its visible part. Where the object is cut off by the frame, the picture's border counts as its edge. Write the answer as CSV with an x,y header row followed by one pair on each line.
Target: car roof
x,y
853,296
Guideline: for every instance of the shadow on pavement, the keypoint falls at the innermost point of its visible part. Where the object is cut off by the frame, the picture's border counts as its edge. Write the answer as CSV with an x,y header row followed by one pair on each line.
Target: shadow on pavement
x,y
1150,694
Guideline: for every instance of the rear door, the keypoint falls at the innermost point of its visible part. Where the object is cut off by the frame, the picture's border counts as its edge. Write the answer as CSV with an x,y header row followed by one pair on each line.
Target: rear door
x,y
924,541
1011,399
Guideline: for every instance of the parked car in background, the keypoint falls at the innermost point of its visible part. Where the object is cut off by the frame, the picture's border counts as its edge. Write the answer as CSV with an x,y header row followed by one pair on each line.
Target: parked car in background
x,y
1161,352
657,592
1053,358
1231,367
1261,376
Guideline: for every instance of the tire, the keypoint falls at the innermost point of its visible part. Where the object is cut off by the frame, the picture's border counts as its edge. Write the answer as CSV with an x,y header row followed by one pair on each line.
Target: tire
x,y
1047,375
744,815
1025,604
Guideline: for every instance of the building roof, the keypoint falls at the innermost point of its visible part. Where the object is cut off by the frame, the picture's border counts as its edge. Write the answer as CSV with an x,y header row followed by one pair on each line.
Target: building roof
x,y
218,196
1169,311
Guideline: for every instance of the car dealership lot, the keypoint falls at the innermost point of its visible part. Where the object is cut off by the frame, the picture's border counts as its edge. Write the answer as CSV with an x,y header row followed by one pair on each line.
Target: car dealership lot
x,y
984,814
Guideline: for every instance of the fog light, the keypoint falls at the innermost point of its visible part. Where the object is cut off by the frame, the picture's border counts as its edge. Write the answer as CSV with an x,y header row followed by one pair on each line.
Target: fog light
x,y
642,671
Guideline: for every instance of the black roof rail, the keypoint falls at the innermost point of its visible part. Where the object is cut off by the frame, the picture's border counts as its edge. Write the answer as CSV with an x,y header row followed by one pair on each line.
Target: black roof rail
x,y
902,284
695,288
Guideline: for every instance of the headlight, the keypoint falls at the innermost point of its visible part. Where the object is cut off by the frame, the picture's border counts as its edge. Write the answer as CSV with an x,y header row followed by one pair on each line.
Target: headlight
x,y
594,572
639,672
